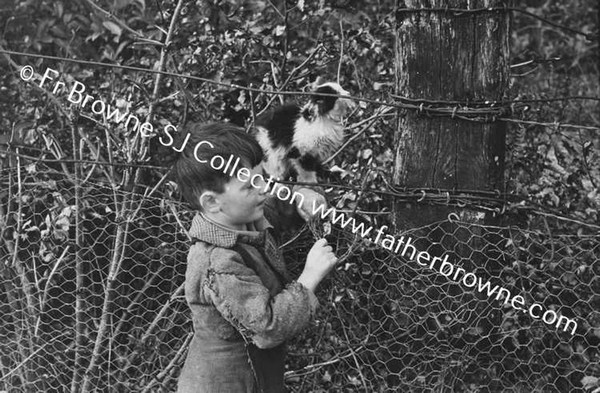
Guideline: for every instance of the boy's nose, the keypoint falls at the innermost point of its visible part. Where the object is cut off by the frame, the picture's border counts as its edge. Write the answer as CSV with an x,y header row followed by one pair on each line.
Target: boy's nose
x,y
261,185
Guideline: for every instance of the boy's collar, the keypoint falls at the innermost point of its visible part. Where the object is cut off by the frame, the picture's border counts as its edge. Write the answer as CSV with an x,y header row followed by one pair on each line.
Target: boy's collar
x,y
210,231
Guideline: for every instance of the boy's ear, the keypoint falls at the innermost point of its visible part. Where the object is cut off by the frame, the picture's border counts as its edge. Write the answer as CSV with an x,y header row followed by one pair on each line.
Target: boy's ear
x,y
210,202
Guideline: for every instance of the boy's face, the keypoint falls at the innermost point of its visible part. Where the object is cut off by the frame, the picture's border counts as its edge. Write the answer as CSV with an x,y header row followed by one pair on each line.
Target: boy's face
x,y
240,203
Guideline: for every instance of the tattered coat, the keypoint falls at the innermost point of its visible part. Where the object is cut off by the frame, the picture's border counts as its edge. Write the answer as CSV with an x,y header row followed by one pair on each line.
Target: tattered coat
x,y
244,307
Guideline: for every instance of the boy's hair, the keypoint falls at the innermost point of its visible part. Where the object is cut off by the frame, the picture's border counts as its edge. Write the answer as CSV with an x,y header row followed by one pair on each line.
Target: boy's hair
x,y
194,177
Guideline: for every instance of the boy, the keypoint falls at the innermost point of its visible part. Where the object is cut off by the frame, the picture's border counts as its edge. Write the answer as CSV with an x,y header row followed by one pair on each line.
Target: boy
x,y
244,304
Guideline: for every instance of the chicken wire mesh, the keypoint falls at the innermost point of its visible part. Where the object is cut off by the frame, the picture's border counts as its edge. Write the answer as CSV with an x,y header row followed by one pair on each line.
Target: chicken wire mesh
x,y
92,300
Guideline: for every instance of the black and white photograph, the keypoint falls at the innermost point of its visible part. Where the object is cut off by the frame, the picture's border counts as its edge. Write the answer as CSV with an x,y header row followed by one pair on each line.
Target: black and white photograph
x,y
299,196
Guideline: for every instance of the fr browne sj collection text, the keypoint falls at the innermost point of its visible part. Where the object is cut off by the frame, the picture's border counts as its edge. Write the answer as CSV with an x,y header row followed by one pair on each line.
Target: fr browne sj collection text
x,y
77,95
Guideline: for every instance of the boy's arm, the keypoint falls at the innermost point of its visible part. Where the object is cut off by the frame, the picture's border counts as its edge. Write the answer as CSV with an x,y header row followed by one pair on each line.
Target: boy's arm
x,y
242,299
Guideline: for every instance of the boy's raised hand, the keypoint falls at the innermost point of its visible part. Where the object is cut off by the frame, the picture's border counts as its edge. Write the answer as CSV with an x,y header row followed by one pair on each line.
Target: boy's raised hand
x,y
319,262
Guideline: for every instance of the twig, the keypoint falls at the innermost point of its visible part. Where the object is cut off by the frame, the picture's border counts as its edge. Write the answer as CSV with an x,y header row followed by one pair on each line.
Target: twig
x,y
149,194
286,40
252,108
21,329
15,261
296,236
311,368
517,258
118,254
18,366
160,376
339,68
551,241
528,72
170,204
182,89
358,368
161,314
54,269
163,57
124,25
287,81
138,164
372,119
355,242
535,61
276,9
273,70
91,171
585,161
79,272
557,125
140,293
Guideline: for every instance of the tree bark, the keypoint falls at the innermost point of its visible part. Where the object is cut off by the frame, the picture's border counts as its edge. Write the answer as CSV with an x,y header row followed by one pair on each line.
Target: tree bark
x,y
442,55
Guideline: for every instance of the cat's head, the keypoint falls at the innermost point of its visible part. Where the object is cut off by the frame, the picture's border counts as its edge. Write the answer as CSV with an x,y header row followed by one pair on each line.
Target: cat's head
x,y
324,104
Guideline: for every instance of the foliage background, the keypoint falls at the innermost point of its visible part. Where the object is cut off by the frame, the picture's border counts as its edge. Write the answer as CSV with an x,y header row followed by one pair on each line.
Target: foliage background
x,y
271,46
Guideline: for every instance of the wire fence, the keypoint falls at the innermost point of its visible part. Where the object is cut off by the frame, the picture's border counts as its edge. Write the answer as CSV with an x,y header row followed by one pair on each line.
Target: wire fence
x,y
92,300
480,112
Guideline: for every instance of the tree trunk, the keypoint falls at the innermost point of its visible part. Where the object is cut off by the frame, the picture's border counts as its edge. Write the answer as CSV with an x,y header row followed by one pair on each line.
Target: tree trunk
x,y
443,55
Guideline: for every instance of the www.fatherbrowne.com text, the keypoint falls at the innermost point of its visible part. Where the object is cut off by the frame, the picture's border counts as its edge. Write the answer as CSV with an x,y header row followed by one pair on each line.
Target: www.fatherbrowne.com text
x,y
447,269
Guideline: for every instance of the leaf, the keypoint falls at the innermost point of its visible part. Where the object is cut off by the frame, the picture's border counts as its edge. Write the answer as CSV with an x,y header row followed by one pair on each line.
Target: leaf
x,y
58,9
118,4
554,164
113,27
279,30
336,168
590,382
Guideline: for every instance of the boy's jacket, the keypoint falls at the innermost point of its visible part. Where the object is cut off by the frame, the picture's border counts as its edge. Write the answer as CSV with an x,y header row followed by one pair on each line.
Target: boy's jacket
x,y
244,306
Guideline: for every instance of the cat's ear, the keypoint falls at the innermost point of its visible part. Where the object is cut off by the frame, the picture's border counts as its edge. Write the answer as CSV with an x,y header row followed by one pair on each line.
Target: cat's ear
x,y
318,82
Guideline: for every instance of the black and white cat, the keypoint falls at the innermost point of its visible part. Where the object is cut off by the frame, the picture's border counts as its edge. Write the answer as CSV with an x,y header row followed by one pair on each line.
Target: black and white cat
x,y
296,140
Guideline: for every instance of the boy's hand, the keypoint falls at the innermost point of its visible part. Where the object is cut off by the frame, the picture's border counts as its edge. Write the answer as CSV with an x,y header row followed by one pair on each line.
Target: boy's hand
x,y
319,262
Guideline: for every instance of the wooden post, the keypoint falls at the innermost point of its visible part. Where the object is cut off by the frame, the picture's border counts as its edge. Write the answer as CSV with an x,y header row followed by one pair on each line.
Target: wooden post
x,y
443,55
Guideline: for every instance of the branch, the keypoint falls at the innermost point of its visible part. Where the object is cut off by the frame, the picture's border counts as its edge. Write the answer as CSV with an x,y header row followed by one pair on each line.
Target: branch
x,y
18,366
160,376
371,121
158,78
124,25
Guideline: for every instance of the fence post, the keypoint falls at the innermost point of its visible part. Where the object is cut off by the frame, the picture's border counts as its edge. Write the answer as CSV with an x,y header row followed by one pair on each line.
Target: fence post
x,y
446,55
452,61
